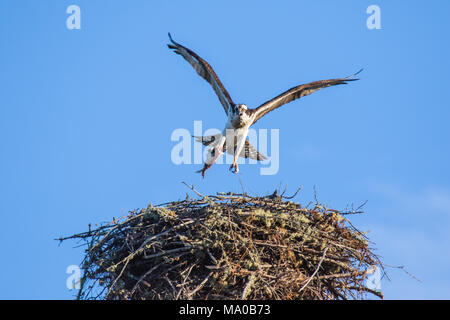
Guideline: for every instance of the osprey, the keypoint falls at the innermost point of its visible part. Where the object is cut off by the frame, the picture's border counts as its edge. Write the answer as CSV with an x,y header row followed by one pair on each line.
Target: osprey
x,y
233,138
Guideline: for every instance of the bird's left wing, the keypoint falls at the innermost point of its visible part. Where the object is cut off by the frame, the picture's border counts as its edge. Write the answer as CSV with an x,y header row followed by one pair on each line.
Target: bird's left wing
x,y
205,71
296,93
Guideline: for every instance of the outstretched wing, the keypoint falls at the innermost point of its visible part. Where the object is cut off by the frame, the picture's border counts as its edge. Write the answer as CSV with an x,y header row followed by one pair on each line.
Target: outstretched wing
x,y
205,71
296,93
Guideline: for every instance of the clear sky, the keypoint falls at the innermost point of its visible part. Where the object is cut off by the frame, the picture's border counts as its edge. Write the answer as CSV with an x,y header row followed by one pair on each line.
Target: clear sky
x,y
86,118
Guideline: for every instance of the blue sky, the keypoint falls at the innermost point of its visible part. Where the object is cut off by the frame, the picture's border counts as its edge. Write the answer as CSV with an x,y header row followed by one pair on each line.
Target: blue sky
x,y
86,118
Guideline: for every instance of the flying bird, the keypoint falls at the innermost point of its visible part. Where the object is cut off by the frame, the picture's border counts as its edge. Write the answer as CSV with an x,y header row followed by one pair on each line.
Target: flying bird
x,y
233,138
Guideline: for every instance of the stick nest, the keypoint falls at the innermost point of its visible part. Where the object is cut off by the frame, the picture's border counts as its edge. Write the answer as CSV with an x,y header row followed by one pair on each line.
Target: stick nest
x,y
228,246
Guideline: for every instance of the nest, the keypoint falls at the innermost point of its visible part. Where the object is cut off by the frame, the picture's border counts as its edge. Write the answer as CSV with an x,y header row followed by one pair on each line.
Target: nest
x,y
228,246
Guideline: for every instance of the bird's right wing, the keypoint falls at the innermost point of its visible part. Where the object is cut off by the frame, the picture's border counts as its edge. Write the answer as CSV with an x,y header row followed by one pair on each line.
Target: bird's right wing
x,y
296,93
206,72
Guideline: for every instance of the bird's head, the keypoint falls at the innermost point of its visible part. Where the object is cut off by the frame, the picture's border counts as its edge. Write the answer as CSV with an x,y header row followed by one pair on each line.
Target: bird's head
x,y
241,116
242,109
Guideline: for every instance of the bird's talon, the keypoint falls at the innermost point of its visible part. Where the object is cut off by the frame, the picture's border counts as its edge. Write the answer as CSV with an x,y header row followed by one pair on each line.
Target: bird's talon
x,y
236,168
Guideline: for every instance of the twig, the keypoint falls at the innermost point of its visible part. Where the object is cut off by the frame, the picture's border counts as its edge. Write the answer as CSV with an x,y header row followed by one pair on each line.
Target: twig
x,y
191,294
317,269
248,286
404,270
193,189
291,197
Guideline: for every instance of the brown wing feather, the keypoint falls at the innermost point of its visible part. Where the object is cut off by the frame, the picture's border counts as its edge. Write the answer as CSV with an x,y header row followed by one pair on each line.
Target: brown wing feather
x,y
205,71
296,93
